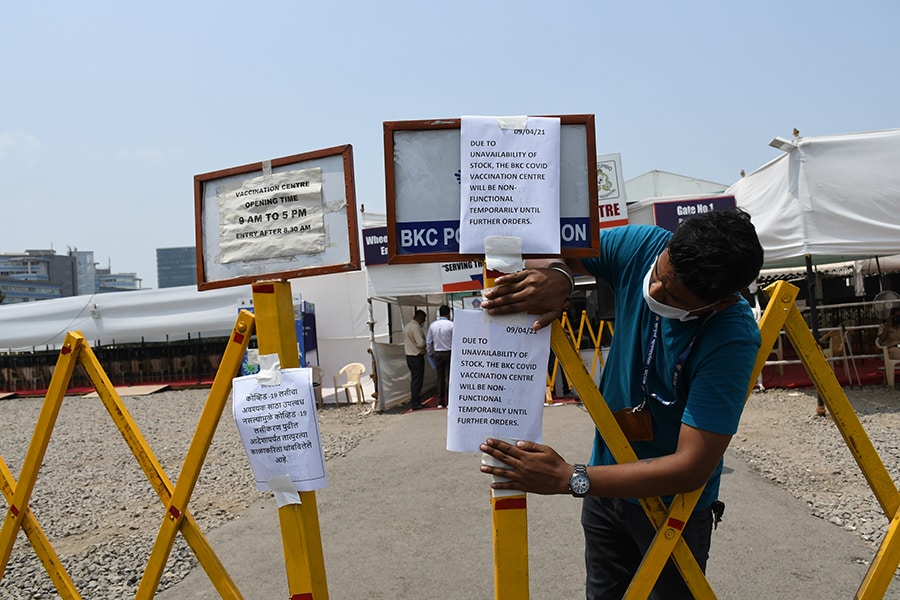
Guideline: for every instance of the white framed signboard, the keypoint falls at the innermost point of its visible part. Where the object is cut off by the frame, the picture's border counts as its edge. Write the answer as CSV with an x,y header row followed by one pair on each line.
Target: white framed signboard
x,y
423,180
290,217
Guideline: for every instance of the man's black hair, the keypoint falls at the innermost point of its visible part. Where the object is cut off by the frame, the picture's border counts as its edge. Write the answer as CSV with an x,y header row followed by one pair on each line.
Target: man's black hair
x,y
444,310
716,254
419,314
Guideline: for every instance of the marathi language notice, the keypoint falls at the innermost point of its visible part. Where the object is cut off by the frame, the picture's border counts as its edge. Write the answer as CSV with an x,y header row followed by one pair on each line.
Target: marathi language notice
x,y
498,378
279,215
509,183
279,429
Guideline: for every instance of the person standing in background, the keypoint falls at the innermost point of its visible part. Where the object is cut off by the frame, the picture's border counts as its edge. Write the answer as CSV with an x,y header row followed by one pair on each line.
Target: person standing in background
x,y
414,346
438,343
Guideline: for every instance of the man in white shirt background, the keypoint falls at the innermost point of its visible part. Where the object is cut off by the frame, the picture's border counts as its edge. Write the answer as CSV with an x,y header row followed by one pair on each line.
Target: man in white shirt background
x,y
438,343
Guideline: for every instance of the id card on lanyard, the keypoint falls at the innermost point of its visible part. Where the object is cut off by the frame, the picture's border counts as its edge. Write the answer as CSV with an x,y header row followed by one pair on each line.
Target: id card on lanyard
x,y
636,421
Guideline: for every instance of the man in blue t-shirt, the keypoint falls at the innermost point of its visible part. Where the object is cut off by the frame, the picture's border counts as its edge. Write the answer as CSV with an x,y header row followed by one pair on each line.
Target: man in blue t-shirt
x,y
676,378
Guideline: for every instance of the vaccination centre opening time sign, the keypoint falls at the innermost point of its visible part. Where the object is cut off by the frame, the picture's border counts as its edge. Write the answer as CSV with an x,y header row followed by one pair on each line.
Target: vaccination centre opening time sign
x,y
289,217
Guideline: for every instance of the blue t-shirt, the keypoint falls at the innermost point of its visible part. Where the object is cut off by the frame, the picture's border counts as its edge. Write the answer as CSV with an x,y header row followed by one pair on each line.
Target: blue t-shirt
x,y
712,385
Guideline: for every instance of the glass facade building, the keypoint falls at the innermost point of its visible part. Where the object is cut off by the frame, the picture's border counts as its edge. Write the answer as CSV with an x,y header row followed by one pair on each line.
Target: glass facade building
x,y
176,266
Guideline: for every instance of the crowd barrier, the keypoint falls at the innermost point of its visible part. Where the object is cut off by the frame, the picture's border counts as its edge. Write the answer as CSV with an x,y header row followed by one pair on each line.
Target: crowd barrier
x,y
304,560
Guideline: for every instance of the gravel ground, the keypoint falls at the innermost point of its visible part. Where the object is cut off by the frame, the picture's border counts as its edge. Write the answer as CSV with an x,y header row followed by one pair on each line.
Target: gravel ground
x,y
95,504
781,437
102,516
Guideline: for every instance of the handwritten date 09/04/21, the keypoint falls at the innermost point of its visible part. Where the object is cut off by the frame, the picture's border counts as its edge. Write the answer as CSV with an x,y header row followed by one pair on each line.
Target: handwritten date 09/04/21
x,y
512,329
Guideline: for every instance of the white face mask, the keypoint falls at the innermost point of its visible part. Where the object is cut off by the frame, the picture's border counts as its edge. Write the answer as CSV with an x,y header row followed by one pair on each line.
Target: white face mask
x,y
664,310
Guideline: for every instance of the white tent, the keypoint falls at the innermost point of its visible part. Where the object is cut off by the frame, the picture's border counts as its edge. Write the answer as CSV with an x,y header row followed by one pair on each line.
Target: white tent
x,y
342,318
655,184
834,198
148,315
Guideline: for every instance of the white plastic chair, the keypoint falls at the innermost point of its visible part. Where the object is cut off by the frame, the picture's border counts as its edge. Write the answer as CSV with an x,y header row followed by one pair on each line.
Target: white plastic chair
x,y
889,364
352,372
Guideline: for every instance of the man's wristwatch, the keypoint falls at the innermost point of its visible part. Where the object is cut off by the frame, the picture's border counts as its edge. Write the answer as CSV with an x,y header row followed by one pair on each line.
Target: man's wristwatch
x,y
579,484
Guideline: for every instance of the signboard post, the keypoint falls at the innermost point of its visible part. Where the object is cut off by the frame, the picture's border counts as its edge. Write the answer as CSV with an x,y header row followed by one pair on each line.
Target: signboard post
x,y
298,512
493,190
264,223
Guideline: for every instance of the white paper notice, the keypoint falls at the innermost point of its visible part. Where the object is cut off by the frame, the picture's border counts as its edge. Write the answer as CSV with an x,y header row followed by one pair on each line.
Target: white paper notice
x,y
509,183
279,429
498,378
272,216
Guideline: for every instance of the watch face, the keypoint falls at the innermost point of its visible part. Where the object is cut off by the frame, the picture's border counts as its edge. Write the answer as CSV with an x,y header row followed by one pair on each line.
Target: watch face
x,y
579,484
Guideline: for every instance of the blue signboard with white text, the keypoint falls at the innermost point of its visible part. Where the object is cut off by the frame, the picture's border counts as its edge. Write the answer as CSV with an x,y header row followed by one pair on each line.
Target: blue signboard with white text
x,y
423,180
668,214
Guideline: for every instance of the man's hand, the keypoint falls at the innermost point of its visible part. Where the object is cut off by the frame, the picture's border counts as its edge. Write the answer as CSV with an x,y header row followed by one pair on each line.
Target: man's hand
x,y
530,467
535,290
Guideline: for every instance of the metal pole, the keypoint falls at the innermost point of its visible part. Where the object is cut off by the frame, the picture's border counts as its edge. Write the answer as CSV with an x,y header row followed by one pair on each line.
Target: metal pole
x,y
811,286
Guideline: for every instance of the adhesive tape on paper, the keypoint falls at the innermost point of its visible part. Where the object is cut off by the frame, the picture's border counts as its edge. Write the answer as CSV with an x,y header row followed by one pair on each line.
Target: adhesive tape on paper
x,y
284,490
269,369
503,253
516,122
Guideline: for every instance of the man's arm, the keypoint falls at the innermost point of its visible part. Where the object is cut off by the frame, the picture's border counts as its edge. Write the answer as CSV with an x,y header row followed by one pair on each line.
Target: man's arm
x,y
539,469
419,338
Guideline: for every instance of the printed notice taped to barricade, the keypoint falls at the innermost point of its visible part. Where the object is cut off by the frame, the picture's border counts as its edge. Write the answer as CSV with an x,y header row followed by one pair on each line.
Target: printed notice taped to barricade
x,y
509,182
498,378
279,429
272,216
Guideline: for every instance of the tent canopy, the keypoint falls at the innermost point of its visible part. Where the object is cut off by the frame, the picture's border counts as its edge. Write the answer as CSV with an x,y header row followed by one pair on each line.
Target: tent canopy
x,y
148,315
835,198
342,327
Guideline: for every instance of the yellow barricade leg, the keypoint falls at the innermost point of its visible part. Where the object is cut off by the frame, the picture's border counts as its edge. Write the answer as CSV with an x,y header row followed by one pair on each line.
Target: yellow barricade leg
x,y
781,301
75,349
662,546
510,517
623,452
842,412
39,541
300,532
177,517
667,541
151,467
18,506
881,572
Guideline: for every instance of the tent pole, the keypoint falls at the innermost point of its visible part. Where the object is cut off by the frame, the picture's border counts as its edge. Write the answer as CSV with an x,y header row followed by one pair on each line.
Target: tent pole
x,y
371,307
880,275
813,319
390,323
811,286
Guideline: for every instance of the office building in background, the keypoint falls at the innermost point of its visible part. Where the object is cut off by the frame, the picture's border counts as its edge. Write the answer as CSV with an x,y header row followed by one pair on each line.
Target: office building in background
x,y
176,267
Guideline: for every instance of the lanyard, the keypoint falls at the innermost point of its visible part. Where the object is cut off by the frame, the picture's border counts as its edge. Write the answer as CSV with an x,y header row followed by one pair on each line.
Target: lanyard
x,y
679,364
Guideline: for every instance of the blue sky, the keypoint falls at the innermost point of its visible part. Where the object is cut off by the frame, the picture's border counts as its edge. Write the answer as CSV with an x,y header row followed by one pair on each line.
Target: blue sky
x,y
108,109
